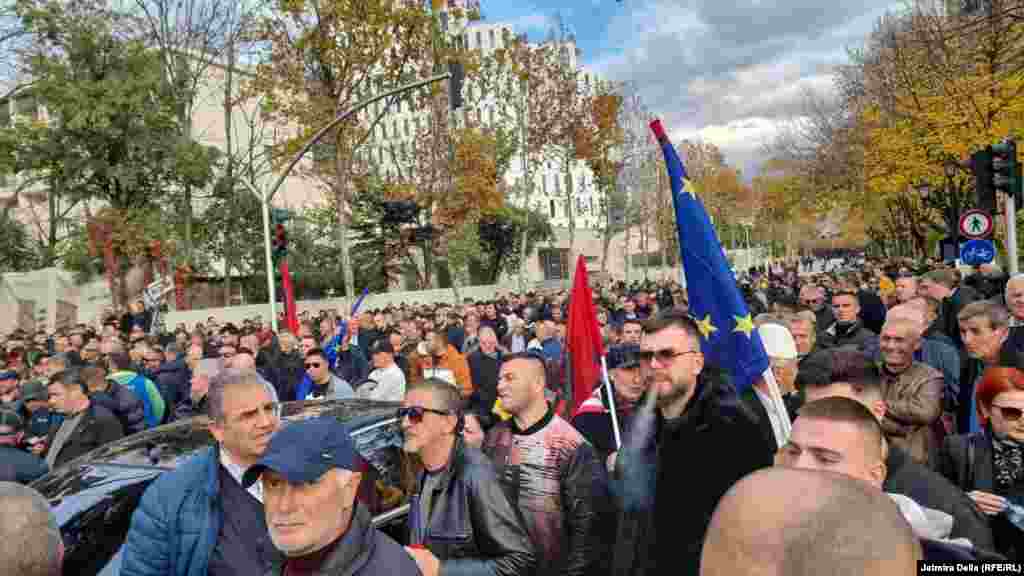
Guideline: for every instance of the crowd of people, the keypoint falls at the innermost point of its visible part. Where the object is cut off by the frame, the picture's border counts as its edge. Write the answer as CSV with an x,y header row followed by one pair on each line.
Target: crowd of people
x,y
903,383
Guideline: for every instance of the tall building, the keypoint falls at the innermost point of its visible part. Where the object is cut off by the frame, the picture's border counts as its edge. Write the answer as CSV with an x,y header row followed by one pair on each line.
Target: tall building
x,y
397,132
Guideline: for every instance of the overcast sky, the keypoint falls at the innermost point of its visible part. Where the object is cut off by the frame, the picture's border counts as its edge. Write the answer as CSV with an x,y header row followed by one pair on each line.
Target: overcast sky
x,y
728,71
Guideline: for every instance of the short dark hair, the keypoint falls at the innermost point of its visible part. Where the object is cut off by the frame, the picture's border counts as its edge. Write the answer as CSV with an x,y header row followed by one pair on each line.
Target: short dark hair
x,y
69,379
446,395
636,321
840,409
120,361
826,367
317,352
848,293
673,319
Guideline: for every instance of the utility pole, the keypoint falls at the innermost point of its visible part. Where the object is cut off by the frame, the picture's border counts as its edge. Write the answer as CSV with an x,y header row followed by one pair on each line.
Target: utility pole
x,y
266,196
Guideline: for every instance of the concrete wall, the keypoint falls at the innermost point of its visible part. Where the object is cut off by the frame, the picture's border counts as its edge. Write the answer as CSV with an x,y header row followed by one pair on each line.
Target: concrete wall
x,y
237,314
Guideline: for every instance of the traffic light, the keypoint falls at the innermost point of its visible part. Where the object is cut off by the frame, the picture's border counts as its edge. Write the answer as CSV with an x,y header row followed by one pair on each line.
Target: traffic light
x,y
280,242
400,212
455,82
1006,170
984,186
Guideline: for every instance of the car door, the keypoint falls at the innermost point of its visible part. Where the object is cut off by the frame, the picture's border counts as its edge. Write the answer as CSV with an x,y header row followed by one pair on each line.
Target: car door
x,y
391,479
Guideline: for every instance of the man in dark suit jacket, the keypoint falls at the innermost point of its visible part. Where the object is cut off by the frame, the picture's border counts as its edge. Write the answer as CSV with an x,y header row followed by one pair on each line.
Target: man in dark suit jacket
x,y
86,426
942,285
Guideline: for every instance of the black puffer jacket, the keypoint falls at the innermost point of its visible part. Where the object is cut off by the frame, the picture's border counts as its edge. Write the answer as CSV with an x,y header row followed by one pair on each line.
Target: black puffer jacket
x,y
125,405
173,381
284,371
472,529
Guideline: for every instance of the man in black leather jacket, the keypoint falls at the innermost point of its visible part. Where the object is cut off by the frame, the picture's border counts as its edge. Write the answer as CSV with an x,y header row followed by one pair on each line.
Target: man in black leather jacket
x,y
460,521
549,471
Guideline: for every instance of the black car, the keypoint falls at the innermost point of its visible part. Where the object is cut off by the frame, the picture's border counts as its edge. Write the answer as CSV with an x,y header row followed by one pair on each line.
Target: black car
x,y
94,496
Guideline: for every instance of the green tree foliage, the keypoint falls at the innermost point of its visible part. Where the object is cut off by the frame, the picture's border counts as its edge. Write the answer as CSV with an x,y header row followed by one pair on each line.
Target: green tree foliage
x,y
111,132
501,233
17,250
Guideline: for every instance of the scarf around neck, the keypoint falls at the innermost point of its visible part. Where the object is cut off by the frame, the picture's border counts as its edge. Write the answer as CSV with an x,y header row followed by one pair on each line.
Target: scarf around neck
x,y
1008,462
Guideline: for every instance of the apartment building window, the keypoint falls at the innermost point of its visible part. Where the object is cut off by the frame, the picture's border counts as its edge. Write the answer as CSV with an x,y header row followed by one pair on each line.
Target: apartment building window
x,y
491,42
405,123
558,184
551,208
479,39
554,262
544,189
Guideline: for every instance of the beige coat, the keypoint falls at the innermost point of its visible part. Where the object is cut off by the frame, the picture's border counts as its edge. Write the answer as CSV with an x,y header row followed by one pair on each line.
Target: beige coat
x,y
914,406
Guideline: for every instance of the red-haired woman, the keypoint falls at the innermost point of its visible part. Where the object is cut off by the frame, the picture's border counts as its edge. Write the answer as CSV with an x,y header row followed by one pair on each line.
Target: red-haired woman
x,y
988,465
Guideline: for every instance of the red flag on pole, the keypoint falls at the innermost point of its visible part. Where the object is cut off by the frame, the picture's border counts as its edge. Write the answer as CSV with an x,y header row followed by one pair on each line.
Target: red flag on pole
x,y
289,298
583,337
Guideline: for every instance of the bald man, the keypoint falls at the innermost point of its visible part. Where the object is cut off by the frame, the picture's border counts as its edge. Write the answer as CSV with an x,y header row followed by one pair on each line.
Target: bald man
x,y
913,391
30,542
938,354
814,523
1014,296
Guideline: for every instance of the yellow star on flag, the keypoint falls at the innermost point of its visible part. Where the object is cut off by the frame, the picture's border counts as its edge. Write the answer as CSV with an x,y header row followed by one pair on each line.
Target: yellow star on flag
x,y
688,187
744,324
706,327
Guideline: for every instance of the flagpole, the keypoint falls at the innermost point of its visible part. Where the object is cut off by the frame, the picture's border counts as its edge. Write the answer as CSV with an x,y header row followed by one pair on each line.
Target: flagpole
x,y
780,406
611,403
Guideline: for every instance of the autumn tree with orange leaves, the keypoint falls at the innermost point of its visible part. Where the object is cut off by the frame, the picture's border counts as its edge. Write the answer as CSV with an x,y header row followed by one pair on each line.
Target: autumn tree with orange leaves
x,y
324,58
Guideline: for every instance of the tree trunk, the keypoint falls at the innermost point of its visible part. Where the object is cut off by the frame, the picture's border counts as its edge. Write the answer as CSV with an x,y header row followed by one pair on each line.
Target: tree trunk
x,y
51,241
346,263
625,255
527,185
571,213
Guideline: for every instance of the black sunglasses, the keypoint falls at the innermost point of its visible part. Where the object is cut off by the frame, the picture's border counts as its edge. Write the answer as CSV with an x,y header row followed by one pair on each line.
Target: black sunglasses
x,y
415,413
664,356
1010,413
313,365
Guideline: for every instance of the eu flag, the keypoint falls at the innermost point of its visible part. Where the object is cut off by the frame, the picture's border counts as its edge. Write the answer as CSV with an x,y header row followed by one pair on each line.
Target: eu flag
x,y
729,339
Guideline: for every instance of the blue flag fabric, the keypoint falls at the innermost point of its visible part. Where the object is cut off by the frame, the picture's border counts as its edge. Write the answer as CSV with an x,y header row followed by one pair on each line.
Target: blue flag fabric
x,y
729,339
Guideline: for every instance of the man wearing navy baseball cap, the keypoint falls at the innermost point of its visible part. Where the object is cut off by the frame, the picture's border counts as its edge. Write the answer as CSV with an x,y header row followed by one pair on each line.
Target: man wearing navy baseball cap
x,y
310,475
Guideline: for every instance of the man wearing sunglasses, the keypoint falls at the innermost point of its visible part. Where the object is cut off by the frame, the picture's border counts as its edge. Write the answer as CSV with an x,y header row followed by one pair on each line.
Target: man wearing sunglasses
x,y
705,442
320,382
198,518
459,516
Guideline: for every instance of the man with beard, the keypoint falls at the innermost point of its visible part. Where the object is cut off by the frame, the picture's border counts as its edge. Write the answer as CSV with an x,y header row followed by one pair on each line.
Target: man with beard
x,y
705,441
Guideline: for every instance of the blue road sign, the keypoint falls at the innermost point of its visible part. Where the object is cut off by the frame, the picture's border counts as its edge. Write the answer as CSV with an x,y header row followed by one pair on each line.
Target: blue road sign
x,y
977,252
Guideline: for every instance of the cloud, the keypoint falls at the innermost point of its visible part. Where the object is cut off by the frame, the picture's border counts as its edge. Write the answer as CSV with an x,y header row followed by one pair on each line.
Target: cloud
x,y
731,70
535,22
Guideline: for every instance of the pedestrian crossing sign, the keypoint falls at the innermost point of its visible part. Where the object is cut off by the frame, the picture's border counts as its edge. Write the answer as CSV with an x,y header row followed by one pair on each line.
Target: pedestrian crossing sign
x,y
975,224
